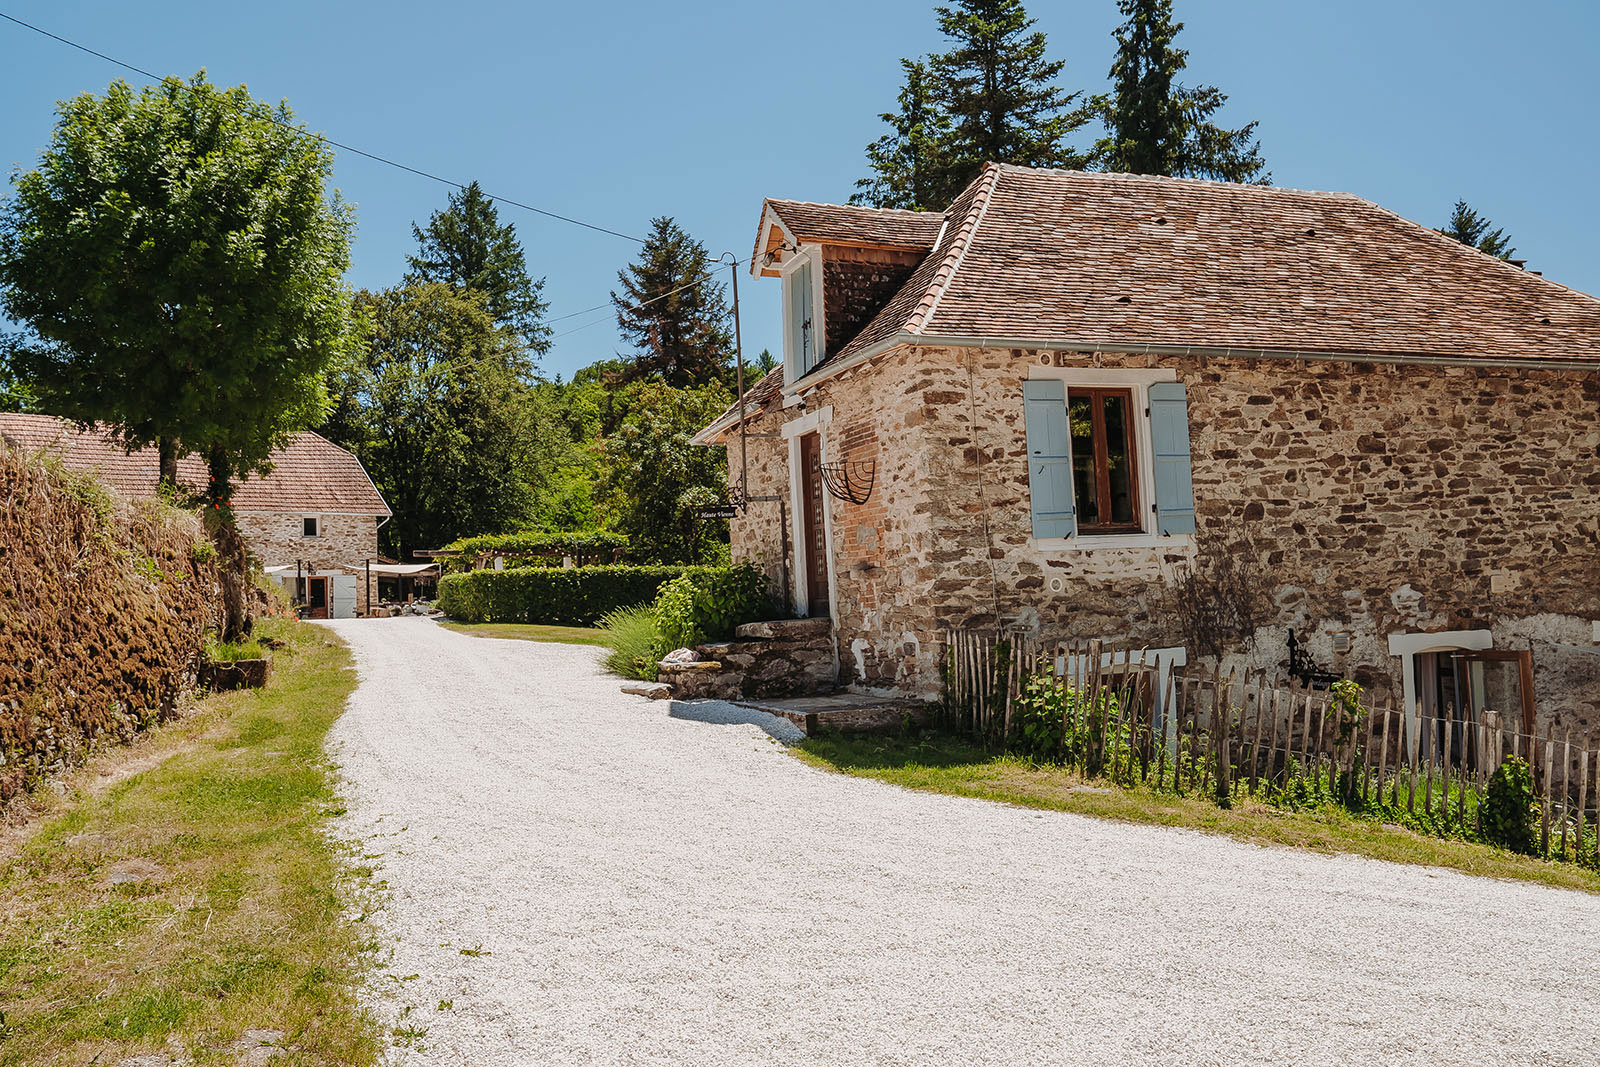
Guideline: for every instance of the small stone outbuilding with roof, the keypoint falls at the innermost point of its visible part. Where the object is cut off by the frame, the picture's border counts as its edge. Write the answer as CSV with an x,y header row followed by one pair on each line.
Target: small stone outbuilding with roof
x,y
316,511
1290,430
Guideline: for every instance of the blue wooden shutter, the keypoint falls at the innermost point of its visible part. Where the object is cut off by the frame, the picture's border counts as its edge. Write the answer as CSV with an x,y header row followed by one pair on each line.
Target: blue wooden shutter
x,y
805,331
1044,408
1169,433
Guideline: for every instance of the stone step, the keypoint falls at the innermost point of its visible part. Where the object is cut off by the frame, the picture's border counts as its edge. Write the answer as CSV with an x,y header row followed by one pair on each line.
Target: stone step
x,y
785,629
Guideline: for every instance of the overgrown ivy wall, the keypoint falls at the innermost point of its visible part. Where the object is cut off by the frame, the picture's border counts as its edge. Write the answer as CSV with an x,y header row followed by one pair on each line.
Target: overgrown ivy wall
x,y
104,605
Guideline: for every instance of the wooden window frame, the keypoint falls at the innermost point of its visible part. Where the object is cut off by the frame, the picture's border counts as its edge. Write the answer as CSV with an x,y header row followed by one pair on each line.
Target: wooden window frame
x,y
1102,458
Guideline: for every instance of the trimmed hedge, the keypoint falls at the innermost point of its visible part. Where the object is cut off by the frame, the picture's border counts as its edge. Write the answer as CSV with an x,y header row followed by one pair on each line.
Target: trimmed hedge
x,y
576,596
585,546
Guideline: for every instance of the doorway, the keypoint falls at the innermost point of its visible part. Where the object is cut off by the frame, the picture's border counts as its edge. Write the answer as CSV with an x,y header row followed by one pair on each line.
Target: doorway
x,y
316,598
814,525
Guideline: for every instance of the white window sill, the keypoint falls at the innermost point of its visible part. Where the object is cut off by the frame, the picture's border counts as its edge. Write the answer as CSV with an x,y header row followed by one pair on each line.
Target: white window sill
x,y
1098,542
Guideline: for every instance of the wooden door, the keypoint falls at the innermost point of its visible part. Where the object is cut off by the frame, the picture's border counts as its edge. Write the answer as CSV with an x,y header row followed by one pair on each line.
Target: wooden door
x,y
813,518
317,598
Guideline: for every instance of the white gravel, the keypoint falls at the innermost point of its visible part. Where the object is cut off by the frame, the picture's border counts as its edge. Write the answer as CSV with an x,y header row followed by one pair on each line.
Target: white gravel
x,y
651,889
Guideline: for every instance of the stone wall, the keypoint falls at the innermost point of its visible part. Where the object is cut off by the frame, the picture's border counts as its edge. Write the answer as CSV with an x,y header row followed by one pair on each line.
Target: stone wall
x,y
345,542
856,283
1376,499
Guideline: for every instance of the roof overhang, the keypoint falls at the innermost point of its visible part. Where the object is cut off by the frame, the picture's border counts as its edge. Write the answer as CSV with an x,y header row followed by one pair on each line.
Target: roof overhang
x,y
919,340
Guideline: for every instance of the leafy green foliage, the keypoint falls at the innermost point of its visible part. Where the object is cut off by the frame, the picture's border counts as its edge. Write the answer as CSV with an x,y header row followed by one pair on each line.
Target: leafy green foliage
x,y
672,311
992,97
439,411
586,546
1154,124
1472,229
1510,810
1054,722
179,263
634,639
705,604
466,246
576,596
654,479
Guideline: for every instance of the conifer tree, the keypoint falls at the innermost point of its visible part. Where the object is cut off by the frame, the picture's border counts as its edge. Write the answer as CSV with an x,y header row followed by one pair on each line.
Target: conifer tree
x,y
1472,229
992,97
1156,125
468,247
672,310
906,161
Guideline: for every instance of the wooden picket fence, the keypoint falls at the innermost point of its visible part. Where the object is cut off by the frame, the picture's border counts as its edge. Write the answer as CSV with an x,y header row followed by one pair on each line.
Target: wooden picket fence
x,y
1235,734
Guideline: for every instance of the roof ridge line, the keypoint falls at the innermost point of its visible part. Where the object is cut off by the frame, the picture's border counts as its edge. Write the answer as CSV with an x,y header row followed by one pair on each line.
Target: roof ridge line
x,y
852,207
926,307
1117,175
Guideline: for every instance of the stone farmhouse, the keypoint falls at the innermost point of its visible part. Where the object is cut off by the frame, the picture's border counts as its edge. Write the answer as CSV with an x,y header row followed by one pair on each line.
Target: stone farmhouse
x,y
1287,430
315,514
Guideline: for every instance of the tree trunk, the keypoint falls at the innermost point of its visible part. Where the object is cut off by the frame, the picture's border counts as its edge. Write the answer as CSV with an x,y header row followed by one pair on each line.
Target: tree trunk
x,y
232,562
168,450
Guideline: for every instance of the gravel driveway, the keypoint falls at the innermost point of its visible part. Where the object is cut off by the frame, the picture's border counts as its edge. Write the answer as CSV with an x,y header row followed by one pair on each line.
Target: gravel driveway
x,y
579,877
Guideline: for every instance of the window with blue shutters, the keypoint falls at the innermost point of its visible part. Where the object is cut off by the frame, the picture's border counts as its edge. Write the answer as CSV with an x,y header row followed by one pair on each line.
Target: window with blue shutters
x,y
802,324
1108,460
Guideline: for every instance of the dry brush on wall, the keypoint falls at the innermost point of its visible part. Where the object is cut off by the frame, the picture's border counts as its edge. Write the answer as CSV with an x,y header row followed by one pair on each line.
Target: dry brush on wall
x,y
104,606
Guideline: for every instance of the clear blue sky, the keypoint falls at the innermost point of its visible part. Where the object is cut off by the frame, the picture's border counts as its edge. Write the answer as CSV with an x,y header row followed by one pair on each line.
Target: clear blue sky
x,y
618,111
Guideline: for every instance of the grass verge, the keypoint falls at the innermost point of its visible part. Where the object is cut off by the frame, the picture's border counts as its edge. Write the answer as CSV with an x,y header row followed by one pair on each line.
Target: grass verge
x,y
197,898
524,631
940,764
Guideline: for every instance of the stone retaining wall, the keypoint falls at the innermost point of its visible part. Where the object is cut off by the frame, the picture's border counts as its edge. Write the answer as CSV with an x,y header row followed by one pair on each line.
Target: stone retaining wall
x,y
792,657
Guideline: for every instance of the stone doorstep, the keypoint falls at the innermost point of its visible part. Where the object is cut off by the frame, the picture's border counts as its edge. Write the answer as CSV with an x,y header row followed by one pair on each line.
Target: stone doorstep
x,y
845,712
785,629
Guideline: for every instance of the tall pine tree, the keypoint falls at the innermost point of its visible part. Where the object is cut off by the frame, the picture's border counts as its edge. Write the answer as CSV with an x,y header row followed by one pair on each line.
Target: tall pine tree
x,y
672,311
467,246
907,162
1472,229
1156,125
993,97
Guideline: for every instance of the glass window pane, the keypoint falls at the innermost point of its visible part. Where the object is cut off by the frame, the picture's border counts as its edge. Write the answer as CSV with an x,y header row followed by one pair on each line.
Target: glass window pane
x,y
1119,466
1080,417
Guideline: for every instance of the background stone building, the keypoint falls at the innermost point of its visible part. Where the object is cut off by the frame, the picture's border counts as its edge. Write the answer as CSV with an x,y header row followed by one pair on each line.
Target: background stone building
x,y
315,508
1188,416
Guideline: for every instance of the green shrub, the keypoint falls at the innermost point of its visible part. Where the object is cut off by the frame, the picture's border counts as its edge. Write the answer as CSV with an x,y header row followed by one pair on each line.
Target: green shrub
x,y
574,596
635,642
706,603
232,651
1509,809
1052,722
584,546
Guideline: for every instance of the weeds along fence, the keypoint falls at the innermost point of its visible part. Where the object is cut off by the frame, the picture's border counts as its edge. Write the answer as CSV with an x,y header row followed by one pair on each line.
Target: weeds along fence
x,y
1106,712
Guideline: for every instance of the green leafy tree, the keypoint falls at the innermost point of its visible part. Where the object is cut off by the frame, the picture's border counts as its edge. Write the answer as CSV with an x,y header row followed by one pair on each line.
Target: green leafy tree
x,y
440,412
1156,125
178,260
467,246
655,479
765,362
992,97
673,311
1472,229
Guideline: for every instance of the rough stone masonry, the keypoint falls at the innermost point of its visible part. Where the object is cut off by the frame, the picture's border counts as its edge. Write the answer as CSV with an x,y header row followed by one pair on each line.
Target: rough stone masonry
x,y
1375,498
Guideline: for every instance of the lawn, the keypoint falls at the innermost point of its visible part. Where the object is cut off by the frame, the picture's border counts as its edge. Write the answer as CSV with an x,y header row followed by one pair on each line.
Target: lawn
x,y
525,631
184,891
941,764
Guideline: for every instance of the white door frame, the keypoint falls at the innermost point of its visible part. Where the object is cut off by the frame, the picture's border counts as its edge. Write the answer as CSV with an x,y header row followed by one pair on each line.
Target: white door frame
x,y
1408,647
815,421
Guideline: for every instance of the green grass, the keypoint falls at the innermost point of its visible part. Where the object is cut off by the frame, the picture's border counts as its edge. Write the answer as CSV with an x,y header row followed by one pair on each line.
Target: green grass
x,y
232,651
937,763
241,920
634,637
524,631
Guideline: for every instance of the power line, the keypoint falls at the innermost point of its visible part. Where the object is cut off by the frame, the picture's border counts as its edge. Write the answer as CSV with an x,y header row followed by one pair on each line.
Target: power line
x,y
386,161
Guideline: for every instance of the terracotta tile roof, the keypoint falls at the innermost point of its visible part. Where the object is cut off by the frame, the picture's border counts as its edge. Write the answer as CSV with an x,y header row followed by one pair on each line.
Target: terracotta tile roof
x,y
841,224
310,474
1068,256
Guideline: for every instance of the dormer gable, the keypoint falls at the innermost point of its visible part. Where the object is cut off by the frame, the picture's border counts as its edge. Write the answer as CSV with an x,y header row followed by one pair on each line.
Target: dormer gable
x,y
840,265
